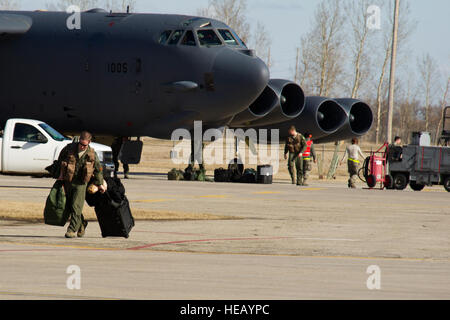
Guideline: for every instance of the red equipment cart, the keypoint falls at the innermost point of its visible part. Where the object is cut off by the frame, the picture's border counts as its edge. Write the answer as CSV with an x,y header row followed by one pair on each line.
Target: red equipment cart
x,y
375,169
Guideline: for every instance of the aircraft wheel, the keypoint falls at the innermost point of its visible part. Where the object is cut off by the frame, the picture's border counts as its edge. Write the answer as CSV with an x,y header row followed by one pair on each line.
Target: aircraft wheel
x,y
416,186
400,181
447,184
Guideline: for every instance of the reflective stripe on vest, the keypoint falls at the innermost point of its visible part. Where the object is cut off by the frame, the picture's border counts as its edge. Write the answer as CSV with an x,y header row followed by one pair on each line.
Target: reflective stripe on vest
x,y
307,152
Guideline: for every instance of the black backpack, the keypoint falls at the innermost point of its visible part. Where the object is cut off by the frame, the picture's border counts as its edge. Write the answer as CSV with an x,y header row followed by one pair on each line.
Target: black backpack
x,y
249,176
235,169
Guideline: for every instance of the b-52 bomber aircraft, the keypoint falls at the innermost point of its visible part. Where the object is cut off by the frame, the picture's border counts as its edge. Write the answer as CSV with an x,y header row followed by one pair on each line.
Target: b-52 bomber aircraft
x,y
123,74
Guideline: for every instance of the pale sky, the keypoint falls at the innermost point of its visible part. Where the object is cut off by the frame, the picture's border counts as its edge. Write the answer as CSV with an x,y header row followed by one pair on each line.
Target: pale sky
x,y
288,20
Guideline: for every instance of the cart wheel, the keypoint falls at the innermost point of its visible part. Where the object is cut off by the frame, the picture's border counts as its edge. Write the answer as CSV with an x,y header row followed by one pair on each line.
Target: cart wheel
x,y
447,184
389,182
371,181
400,181
416,186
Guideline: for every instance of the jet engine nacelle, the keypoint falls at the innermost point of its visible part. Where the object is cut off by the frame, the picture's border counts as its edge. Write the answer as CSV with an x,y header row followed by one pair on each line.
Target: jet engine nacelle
x,y
359,119
320,117
281,100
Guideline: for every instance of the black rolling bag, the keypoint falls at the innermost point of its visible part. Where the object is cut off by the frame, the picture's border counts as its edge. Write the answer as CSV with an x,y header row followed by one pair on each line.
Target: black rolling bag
x,y
114,218
112,210
264,174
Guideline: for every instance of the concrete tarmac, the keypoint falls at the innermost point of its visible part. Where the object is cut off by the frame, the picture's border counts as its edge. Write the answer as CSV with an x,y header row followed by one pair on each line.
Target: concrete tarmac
x,y
282,242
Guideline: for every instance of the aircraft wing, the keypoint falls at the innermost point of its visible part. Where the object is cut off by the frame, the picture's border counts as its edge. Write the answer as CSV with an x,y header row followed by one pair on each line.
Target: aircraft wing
x,y
14,24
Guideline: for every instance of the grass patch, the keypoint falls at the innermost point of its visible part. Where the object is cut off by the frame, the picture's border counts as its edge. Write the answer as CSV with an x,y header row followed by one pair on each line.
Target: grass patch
x,y
33,212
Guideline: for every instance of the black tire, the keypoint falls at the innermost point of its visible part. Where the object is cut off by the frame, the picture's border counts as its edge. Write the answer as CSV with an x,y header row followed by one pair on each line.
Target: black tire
x,y
389,182
371,181
416,186
447,184
400,181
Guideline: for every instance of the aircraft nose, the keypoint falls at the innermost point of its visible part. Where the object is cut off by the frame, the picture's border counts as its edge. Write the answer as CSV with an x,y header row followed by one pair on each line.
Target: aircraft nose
x,y
239,77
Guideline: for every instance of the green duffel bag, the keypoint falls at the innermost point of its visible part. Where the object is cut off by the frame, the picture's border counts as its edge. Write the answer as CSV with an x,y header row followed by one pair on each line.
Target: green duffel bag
x,y
54,212
201,175
175,174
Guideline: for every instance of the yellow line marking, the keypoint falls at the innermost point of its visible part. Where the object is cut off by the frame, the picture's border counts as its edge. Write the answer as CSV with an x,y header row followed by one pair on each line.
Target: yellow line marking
x,y
434,190
153,200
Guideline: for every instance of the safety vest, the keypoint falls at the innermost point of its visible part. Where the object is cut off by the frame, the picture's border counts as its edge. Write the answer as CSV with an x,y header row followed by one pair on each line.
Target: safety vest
x,y
353,160
307,153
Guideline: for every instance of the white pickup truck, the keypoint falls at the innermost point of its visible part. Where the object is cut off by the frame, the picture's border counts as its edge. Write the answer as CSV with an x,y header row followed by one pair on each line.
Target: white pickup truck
x,y
29,146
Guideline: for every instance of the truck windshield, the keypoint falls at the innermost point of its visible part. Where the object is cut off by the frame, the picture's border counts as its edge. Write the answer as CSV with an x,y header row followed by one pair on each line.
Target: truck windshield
x,y
52,132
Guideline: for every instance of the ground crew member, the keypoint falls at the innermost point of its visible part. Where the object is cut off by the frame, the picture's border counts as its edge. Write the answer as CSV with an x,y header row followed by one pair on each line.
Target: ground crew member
x,y
116,146
353,152
395,150
79,164
295,147
308,157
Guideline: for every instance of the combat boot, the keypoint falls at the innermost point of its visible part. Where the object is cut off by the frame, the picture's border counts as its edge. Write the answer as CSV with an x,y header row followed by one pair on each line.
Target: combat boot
x,y
70,234
82,230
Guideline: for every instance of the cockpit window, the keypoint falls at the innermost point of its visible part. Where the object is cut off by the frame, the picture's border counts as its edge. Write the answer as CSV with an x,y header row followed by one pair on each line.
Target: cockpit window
x,y
208,38
164,36
228,37
175,37
238,39
188,39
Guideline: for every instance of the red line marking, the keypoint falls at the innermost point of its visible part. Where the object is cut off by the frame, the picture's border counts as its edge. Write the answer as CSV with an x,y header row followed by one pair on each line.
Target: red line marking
x,y
440,157
203,240
423,155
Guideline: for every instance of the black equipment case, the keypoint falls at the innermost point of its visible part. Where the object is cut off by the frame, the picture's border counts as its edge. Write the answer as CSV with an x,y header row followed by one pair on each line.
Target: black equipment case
x,y
264,174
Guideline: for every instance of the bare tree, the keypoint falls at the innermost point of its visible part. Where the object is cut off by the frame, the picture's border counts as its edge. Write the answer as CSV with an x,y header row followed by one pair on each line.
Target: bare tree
x,y
120,5
321,57
9,4
358,15
261,43
428,76
406,28
443,105
114,5
62,5
232,13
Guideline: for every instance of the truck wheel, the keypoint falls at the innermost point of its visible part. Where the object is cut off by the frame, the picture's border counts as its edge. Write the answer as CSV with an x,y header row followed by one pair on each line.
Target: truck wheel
x,y
416,186
447,184
371,181
400,181
389,182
